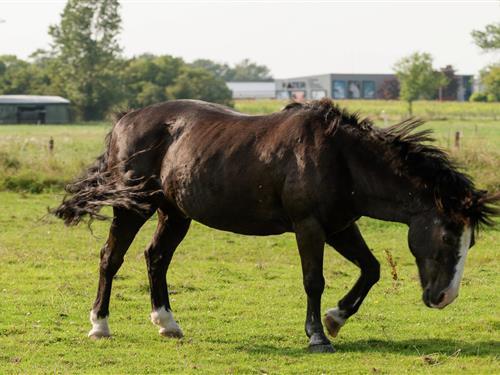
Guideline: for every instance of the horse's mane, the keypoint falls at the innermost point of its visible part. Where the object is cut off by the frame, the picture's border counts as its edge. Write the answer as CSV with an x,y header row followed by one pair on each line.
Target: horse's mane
x,y
411,155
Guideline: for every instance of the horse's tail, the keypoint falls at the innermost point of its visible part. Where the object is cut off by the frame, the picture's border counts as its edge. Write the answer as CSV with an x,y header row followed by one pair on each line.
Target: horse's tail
x,y
99,187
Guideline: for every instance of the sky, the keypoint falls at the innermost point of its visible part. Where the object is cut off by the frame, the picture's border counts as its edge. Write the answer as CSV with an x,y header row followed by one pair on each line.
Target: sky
x,y
292,38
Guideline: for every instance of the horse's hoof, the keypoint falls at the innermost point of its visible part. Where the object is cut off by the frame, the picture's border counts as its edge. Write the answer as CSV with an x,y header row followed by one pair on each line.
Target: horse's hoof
x,y
96,335
322,348
165,320
332,326
172,333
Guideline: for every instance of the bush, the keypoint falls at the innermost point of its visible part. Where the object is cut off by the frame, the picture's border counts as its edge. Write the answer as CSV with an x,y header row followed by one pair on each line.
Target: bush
x,y
31,184
491,98
9,161
478,97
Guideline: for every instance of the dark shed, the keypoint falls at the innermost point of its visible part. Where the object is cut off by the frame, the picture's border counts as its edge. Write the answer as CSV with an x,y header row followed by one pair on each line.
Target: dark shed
x,y
33,109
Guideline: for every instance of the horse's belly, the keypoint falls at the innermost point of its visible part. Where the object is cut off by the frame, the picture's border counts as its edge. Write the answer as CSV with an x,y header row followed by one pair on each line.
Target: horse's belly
x,y
240,215
255,228
223,186
238,207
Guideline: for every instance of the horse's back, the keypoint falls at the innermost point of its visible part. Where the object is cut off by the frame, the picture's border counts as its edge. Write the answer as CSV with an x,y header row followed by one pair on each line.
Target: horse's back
x,y
195,124
217,166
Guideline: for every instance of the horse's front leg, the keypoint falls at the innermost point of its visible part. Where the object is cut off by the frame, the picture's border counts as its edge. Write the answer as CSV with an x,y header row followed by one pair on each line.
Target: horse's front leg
x,y
311,242
350,244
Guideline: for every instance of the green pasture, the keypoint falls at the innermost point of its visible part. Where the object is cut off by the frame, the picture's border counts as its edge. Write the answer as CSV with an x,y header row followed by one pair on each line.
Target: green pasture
x,y
27,165
392,109
239,299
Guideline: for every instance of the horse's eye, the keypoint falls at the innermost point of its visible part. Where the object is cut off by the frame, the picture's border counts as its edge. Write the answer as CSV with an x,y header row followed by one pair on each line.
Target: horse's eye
x,y
447,239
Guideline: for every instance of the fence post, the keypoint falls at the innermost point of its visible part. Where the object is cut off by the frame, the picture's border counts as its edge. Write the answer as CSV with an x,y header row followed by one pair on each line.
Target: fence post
x,y
384,116
458,136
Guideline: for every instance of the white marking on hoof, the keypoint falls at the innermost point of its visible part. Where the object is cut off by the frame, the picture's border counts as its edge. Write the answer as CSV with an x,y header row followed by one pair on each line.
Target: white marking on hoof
x,y
334,320
164,319
100,327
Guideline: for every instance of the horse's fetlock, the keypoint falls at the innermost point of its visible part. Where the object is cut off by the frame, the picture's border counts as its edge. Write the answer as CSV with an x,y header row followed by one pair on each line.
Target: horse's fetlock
x,y
100,327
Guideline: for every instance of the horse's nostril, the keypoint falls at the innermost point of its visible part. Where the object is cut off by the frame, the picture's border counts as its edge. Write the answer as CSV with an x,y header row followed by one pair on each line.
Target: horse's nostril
x,y
441,297
426,297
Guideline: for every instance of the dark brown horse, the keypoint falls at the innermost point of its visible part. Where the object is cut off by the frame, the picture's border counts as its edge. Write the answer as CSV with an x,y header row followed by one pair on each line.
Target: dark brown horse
x,y
312,169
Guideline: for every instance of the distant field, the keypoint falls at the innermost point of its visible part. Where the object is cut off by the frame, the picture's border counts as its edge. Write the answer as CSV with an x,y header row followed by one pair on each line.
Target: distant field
x,y
27,165
392,109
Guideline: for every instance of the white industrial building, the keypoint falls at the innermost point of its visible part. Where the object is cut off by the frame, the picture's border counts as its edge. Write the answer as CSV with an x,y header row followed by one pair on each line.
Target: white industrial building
x,y
253,90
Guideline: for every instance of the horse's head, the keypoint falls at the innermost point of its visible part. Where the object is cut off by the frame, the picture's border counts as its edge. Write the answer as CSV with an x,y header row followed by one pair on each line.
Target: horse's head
x,y
440,246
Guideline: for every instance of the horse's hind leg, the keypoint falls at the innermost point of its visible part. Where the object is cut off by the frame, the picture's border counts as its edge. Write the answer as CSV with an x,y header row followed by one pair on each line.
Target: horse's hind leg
x,y
169,233
123,229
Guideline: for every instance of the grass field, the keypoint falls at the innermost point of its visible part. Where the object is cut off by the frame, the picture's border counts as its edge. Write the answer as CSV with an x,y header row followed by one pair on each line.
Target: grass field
x,y
27,165
392,109
239,299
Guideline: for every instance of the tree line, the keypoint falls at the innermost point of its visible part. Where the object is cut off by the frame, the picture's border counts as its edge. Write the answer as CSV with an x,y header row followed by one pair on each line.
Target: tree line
x,y
85,64
417,79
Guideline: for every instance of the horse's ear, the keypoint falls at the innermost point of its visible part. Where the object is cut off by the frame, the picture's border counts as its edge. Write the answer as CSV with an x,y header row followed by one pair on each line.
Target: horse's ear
x,y
332,126
330,116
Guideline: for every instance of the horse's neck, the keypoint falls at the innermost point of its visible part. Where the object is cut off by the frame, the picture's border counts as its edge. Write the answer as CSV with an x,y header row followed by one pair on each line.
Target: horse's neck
x,y
379,191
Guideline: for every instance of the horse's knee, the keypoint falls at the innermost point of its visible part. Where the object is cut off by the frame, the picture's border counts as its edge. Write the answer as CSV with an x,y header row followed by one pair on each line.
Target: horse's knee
x,y
372,271
314,284
155,258
110,261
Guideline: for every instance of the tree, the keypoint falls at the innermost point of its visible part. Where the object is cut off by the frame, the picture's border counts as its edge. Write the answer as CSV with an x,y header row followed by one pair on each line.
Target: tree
x,y
146,78
86,48
490,77
449,91
16,76
223,71
197,83
247,70
489,39
417,78
389,89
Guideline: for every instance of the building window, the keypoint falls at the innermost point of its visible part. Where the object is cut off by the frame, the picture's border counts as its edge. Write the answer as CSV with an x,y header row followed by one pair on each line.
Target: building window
x,y
282,95
318,94
339,90
354,90
369,89
296,85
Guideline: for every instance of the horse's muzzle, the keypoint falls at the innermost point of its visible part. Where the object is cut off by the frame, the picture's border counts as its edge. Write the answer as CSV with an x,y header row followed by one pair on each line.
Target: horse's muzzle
x,y
439,300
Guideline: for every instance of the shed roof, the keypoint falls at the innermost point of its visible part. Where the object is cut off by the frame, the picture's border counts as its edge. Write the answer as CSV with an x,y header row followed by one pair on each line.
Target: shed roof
x,y
32,99
249,85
